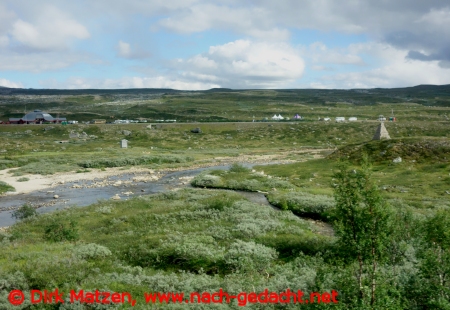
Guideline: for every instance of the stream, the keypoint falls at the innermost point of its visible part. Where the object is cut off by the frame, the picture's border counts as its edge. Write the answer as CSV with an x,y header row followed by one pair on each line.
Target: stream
x,y
88,194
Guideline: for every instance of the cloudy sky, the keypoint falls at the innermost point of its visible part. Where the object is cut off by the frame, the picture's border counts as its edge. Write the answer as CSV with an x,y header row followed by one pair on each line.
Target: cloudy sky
x,y
199,44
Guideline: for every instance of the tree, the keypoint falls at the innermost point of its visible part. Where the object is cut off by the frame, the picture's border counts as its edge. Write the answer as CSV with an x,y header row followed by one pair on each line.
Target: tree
x,y
363,222
435,265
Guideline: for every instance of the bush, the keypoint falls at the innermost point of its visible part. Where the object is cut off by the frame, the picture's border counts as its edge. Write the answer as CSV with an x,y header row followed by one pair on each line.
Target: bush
x,y
24,179
207,180
249,256
304,204
238,168
133,161
59,230
91,251
5,187
24,212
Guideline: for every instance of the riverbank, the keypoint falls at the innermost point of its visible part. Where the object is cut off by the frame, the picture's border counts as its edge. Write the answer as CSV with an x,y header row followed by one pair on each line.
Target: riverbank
x,y
39,182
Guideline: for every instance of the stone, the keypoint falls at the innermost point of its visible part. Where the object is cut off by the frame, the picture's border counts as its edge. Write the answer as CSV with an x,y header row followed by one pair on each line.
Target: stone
x,y
196,130
126,132
74,135
55,196
116,197
397,160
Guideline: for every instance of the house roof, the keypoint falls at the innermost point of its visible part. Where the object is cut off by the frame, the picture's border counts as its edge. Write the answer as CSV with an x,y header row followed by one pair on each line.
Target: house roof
x,y
37,114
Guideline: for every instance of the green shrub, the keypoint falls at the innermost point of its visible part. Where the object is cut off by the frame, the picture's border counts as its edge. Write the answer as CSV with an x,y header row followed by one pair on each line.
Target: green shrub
x,y
133,161
207,180
24,179
91,251
238,168
59,230
249,256
304,204
24,212
5,187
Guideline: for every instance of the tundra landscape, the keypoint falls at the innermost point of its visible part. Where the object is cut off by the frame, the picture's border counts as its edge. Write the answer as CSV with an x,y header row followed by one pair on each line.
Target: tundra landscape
x,y
210,192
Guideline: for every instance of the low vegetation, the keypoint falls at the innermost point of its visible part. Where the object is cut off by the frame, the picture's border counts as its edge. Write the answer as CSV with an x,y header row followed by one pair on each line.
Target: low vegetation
x,y
5,187
379,234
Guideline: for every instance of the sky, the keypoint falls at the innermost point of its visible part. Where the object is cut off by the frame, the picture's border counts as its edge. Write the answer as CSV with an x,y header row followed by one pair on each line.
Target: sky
x,y
239,44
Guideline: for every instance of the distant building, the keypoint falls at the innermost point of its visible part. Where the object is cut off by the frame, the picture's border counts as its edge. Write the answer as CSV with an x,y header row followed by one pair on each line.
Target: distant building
x,y
352,119
37,117
277,118
98,121
340,119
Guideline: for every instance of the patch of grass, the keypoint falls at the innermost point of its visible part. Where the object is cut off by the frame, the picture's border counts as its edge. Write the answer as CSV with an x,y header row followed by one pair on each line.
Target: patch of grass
x,y
5,187
83,170
23,179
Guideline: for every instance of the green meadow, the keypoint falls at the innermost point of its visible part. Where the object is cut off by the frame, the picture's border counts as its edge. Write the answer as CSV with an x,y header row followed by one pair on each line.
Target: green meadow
x,y
323,179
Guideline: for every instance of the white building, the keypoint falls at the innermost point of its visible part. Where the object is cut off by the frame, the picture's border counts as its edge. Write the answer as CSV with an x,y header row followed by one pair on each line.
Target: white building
x,y
277,118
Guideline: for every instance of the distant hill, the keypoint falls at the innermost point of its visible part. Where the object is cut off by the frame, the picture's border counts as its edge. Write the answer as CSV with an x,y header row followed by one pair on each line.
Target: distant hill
x,y
423,90
61,92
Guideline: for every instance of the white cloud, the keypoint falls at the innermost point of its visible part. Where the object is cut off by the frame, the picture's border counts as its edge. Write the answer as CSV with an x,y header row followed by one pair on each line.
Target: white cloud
x,y
4,40
51,30
127,82
256,22
125,50
395,70
320,55
10,84
43,62
238,64
244,64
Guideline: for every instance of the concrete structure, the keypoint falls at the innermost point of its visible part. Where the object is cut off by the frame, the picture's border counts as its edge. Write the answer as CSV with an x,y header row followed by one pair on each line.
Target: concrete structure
x,y
124,143
381,133
37,117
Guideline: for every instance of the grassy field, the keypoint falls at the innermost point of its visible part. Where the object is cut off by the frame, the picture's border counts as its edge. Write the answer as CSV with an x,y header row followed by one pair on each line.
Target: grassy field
x,y
415,103
142,244
204,239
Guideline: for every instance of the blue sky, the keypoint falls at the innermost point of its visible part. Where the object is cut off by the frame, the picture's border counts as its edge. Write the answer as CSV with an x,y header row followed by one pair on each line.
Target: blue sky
x,y
198,44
